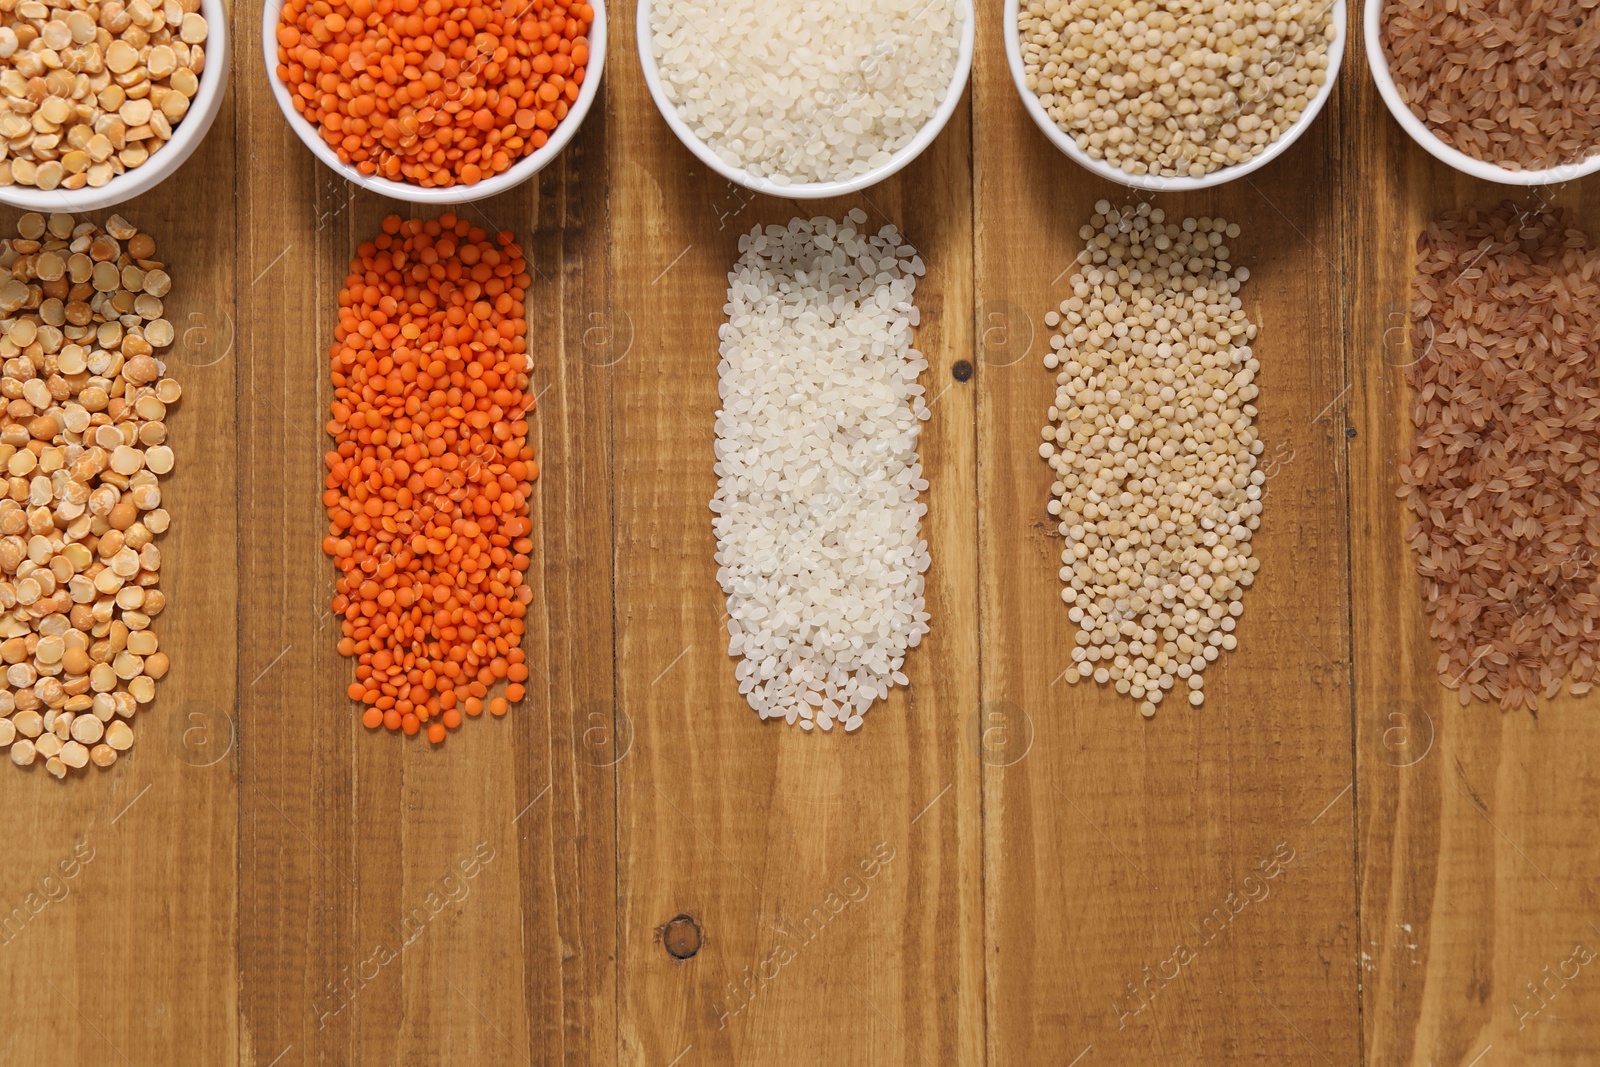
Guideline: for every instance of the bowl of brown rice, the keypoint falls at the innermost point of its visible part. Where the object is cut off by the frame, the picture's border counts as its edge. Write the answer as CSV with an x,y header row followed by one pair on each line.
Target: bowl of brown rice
x,y
1509,93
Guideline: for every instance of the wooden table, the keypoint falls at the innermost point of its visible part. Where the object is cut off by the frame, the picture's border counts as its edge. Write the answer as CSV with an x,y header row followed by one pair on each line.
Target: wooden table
x,y
1330,863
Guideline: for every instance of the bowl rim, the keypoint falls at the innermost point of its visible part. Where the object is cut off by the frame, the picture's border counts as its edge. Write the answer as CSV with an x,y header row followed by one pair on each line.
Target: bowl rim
x,y
1160,183
186,136
810,190
510,178
1378,65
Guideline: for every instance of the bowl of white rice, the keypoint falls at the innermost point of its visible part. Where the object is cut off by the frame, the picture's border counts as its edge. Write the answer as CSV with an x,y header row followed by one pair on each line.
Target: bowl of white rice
x,y
794,99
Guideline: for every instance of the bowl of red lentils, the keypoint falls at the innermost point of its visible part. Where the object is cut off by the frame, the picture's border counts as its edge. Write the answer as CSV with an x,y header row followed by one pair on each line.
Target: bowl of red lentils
x,y
435,101
101,102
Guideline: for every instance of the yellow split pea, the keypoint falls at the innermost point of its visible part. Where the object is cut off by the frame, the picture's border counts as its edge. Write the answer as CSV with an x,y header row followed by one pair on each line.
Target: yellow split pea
x,y
83,399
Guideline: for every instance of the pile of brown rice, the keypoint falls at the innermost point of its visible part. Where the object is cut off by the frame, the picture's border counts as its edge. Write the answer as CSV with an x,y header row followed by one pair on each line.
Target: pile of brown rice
x,y
1508,82
1503,472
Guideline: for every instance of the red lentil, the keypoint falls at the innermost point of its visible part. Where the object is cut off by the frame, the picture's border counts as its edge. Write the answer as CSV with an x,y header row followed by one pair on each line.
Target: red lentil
x,y
428,485
430,92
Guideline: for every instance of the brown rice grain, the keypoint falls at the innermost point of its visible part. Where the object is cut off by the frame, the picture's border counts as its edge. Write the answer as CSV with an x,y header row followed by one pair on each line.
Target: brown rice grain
x,y
1507,82
1503,470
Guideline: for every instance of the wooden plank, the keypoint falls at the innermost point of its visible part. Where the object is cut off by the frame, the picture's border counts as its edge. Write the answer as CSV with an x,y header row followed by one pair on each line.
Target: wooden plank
x,y
1478,863
130,953
299,935
404,904
1128,918
569,861
746,826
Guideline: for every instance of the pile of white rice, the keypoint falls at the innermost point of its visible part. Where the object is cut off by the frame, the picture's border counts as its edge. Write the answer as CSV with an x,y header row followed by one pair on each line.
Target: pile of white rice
x,y
821,91
816,512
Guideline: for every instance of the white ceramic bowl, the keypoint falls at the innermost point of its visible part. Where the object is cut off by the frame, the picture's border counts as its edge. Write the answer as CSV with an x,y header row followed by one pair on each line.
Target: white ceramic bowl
x,y
1378,63
512,176
807,190
1157,182
186,137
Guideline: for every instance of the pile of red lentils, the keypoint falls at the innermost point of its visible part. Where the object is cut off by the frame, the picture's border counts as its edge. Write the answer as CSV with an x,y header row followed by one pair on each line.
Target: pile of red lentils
x,y
428,485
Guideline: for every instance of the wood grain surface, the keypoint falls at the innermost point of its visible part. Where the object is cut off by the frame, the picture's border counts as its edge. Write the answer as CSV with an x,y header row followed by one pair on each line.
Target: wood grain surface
x,y
1178,890
1331,862
1477,857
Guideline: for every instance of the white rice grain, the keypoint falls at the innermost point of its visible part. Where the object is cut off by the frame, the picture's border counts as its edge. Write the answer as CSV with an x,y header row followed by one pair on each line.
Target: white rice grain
x,y
817,514
824,90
